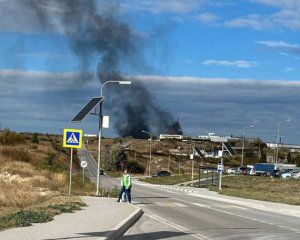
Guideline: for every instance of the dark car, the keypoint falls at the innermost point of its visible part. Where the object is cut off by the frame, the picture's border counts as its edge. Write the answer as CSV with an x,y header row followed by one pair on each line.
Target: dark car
x,y
162,174
101,172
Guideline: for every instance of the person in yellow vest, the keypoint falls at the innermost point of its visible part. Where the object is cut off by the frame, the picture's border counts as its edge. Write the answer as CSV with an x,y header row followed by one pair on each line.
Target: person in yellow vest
x,y
125,186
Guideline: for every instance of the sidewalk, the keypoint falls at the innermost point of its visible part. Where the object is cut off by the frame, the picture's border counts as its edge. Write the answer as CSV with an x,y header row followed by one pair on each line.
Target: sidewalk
x,y
103,218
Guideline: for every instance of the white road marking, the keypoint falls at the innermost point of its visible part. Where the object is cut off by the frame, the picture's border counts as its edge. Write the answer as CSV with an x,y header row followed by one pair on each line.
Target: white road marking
x,y
180,204
200,205
237,215
159,204
177,227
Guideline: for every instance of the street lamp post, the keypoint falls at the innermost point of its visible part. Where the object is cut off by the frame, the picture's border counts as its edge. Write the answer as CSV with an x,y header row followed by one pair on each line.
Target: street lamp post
x,y
243,143
100,129
277,139
150,153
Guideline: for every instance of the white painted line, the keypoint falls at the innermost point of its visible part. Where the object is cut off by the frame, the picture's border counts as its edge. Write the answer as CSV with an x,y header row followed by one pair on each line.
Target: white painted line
x,y
160,218
179,204
200,205
234,206
159,204
181,227
178,227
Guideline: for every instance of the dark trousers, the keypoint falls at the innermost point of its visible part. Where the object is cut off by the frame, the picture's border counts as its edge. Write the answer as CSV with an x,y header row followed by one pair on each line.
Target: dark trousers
x,y
127,192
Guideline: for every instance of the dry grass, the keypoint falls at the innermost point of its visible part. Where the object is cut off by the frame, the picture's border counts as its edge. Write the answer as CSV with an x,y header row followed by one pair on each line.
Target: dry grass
x,y
262,188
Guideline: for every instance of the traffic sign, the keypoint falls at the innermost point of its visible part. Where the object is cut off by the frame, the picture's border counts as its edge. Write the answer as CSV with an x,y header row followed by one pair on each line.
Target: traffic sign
x,y
72,138
220,168
83,164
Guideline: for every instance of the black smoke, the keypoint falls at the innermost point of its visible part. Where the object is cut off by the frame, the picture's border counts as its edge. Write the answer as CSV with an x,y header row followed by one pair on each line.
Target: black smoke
x,y
94,30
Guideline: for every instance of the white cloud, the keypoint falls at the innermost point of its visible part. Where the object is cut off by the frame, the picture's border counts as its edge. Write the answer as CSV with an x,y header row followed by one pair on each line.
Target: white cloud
x,y
237,63
290,69
43,55
214,81
286,15
207,18
281,46
287,4
254,21
164,6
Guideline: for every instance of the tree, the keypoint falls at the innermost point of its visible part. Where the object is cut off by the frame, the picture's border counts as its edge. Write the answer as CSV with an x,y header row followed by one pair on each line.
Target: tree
x,y
116,156
35,138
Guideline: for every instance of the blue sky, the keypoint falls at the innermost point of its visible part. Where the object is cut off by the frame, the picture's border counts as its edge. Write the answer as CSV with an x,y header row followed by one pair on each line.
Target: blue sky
x,y
217,66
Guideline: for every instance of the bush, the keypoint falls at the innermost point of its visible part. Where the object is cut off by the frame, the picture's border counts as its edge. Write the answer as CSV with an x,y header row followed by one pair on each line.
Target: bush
x,y
134,167
35,138
17,154
8,137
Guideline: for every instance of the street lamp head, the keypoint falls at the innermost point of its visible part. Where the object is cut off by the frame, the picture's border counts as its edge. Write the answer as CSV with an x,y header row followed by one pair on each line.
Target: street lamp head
x,y
125,82
252,126
288,120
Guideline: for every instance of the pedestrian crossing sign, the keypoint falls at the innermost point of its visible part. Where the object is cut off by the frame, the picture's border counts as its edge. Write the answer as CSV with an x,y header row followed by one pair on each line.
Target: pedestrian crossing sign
x,y
72,138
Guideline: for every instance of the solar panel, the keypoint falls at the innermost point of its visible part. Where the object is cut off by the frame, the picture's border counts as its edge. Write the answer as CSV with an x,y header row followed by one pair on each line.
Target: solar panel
x,y
87,109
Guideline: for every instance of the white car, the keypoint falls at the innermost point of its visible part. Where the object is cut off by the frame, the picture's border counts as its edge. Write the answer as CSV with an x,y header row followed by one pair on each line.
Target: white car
x,y
288,175
231,170
296,175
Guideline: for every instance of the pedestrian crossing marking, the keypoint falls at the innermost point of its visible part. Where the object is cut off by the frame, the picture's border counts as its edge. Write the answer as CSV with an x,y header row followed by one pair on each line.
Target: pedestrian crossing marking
x,y
169,204
72,139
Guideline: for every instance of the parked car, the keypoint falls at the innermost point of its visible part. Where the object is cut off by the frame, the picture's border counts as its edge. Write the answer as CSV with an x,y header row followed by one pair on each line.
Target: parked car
x,y
101,172
278,173
231,171
288,174
162,174
296,175
244,170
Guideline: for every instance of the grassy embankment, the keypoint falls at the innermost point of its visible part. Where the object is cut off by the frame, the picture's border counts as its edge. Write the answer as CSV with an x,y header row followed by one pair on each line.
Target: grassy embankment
x,y
34,180
261,188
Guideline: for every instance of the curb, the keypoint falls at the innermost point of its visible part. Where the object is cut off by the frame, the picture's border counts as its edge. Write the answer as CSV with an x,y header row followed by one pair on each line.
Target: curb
x,y
123,226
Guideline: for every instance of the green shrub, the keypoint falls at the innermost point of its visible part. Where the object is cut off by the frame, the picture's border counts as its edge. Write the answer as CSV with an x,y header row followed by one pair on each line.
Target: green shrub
x,y
134,167
114,192
24,218
35,138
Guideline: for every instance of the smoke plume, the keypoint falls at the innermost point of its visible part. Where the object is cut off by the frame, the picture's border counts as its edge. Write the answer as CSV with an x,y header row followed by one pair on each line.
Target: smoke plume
x,y
94,30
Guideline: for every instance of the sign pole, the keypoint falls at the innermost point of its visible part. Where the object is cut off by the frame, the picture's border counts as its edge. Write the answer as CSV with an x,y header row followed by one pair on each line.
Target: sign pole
x,y
70,181
83,175
220,175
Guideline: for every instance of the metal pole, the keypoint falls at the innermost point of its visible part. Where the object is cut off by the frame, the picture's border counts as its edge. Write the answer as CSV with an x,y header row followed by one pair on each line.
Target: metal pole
x,y
99,146
169,164
277,143
192,173
199,174
150,155
220,176
243,145
70,180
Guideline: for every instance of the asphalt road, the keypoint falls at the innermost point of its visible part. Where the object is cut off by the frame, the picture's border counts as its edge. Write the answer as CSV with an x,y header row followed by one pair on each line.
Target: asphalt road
x,y
172,214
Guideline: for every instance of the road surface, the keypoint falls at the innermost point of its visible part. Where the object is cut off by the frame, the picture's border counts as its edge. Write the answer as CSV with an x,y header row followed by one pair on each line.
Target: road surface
x,y
172,214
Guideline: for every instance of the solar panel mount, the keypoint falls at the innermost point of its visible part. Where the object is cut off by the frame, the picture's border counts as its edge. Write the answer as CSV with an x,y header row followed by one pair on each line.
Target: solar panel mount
x,y
93,103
